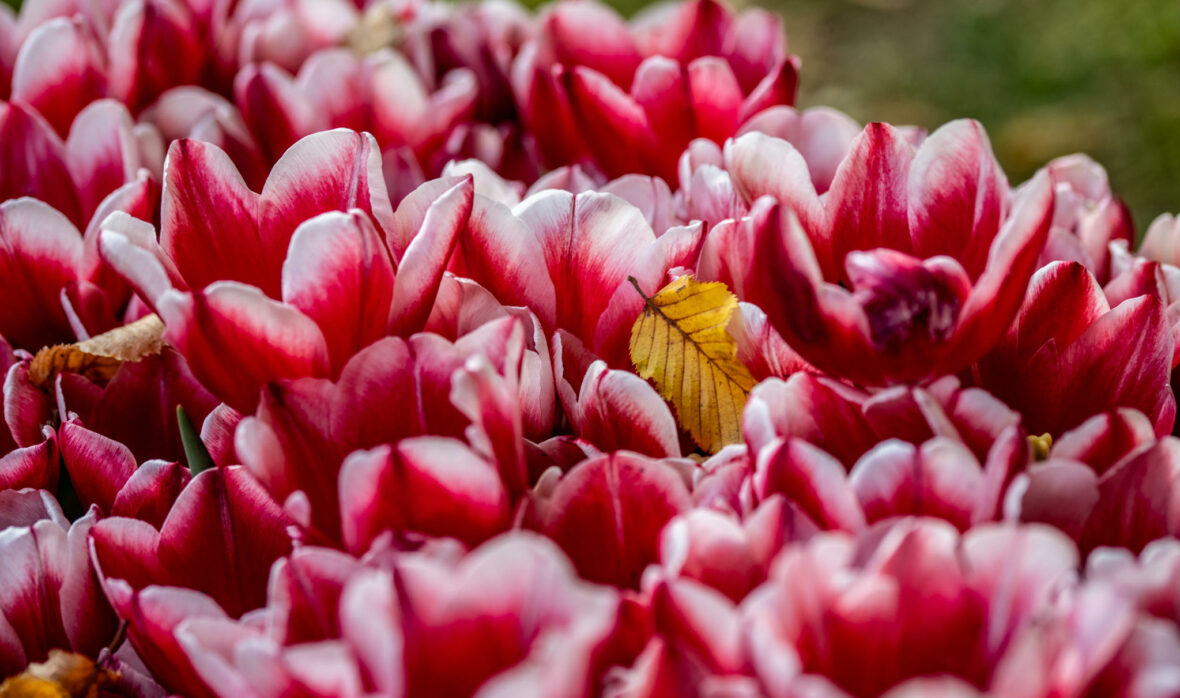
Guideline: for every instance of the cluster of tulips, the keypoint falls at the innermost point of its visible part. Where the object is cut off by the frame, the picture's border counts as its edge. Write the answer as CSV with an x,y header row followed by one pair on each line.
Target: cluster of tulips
x,y
387,437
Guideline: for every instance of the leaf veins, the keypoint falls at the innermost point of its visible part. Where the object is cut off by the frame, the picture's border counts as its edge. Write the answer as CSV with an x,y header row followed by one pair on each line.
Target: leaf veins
x,y
680,342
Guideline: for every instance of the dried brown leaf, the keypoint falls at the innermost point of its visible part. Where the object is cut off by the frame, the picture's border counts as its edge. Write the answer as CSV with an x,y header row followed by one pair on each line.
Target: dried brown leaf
x,y
100,356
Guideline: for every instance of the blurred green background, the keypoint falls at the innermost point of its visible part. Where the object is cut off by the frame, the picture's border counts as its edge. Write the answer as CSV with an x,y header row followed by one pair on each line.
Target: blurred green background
x,y
1046,77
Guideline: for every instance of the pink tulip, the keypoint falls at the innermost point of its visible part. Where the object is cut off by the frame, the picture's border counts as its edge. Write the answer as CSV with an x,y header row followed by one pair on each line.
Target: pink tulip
x,y
1087,216
1161,239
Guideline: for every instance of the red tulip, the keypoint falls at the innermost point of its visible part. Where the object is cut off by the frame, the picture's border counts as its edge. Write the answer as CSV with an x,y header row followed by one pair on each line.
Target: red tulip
x,y
305,429
567,258
625,494
611,409
424,627
193,112
219,538
1067,338
65,291
1126,501
633,98
909,266
276,243
918,600
49,596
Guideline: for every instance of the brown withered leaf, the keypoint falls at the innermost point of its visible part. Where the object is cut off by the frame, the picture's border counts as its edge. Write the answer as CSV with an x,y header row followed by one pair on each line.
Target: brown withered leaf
x,y
681,342
62,675
100,356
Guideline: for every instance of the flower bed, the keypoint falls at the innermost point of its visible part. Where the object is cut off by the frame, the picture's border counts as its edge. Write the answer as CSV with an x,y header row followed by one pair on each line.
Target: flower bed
x,y
419,349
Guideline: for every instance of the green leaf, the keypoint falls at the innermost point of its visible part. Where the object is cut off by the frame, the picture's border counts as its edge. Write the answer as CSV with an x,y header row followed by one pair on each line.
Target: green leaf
x,y
195,452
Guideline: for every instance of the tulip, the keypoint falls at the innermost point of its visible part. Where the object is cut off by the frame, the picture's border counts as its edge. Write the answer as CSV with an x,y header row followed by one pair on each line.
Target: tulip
x,y
1125,498
631,100
304,430
1087,216
1067,337
630,496
421,626
917,600
49,596
216,273
909,267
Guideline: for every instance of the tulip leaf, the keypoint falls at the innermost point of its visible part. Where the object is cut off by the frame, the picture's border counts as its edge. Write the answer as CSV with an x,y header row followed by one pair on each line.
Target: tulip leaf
x,y
681,343
195,452
100,356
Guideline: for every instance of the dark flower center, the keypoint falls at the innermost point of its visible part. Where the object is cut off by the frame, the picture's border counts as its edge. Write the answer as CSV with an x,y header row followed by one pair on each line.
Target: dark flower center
x,y
905,297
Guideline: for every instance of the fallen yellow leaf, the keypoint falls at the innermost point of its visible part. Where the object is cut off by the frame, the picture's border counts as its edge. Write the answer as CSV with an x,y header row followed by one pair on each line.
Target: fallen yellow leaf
x,y
681,343
62,675
100,356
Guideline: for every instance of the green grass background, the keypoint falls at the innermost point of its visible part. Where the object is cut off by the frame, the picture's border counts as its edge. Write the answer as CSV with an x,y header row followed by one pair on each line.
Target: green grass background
x,y
1046,77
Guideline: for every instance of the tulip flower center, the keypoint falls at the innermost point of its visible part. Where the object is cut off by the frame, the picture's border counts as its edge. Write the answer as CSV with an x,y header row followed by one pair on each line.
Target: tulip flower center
x,y
907,298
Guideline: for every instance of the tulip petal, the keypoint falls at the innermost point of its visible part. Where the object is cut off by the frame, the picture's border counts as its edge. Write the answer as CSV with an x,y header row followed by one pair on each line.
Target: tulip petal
x,y
331,171
209,225
625,499
40,252
59,71
421,268
868,194
267,340
339,274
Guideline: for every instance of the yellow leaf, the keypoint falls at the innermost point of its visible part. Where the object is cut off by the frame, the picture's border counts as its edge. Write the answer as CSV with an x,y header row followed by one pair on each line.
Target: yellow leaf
x,y
100,356
681,343
62,675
